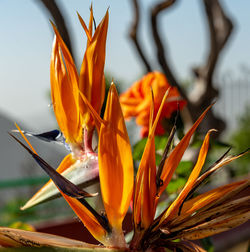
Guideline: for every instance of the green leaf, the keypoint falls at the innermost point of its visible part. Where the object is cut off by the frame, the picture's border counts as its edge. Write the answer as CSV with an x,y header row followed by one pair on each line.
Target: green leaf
x,y
176,185
184,168
160,143
138,148
207,244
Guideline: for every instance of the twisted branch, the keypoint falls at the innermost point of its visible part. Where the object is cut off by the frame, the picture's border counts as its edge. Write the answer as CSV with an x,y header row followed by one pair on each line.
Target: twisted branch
x,y
161,55
133,35
204,92
220,28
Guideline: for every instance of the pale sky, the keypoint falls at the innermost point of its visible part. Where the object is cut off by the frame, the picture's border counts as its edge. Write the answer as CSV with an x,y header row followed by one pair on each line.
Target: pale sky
x,y
26,40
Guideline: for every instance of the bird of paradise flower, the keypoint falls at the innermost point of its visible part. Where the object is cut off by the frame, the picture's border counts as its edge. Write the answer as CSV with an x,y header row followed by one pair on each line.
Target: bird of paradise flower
x,y
75,122
181,222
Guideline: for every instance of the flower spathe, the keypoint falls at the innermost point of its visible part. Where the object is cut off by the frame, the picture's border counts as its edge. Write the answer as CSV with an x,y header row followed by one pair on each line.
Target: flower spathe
x,y
71,113
136,101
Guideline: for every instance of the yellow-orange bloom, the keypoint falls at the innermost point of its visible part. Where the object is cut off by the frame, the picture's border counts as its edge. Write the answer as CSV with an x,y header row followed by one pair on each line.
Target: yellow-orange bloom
x,y
137,99
71,113
73,117
64,91
91,80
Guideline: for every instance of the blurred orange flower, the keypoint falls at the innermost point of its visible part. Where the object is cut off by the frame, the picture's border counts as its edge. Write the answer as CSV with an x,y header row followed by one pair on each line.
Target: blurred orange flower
x,y
136,101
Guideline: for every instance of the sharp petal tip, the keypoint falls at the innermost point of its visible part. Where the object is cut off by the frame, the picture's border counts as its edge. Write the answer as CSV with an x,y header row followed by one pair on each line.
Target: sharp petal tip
x,y
25,206
93,194
212,130
78,14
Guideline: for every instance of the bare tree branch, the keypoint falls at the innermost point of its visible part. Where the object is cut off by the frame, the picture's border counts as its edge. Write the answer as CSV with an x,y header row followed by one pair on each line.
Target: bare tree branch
x,y
52,7
161,55
133,35
220,28
204,92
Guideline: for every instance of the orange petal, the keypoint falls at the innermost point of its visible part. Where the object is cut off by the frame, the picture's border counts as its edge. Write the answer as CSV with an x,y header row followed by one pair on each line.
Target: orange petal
x,y
144,204
88,33
115,162
92,81
174,207
25,138
145,190
96,117
87,218
91,19
174,158
64,91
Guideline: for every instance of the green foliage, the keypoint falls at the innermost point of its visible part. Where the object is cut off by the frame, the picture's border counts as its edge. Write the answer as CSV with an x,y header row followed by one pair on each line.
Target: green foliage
x,y
22,225
240,140
11,212
176,184
160,143
138,149
207,244
181,175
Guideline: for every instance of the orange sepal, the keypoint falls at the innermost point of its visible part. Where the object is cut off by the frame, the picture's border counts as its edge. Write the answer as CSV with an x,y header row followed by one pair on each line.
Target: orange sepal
x,y
115,162
64,91
92,81
87,218
145,189
96,117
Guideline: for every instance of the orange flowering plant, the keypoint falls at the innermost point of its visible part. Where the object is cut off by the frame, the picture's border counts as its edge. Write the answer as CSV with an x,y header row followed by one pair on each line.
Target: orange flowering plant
x,y
187,218
136,101
75,122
